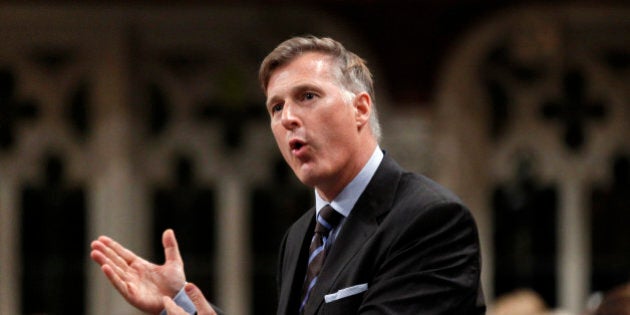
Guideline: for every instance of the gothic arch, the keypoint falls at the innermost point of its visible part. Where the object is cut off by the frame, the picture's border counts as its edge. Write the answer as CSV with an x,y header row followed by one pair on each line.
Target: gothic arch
x,y
534,83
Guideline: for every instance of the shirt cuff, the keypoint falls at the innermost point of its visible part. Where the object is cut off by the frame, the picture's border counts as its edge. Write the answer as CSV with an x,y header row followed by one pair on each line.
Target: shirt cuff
x,y
182,300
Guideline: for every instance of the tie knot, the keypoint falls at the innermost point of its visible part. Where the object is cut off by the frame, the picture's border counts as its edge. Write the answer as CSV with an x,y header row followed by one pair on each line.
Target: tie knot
x,y
327,219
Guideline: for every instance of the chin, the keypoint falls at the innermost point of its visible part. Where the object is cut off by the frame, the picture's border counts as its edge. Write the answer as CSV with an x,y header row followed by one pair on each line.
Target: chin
x,y
306,180
306,177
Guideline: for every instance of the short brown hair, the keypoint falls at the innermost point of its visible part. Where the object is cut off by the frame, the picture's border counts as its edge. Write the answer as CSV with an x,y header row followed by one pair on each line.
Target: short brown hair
x,y
353,73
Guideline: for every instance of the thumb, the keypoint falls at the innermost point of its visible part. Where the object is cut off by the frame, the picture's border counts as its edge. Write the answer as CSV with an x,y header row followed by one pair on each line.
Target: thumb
x,y
171,249
200,302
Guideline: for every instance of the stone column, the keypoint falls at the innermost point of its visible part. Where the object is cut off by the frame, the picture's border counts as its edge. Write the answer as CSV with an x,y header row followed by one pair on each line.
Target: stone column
x,y
573,243
234,292
116,204
9,257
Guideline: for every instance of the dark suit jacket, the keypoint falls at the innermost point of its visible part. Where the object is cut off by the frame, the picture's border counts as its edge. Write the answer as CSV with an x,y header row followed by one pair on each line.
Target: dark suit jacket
x,y
409,239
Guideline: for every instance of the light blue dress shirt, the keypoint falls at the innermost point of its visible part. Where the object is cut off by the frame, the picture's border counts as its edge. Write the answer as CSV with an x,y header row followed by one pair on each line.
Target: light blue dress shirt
x,y
347,198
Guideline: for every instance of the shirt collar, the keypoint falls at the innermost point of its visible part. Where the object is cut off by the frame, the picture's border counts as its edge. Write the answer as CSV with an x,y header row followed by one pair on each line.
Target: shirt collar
x,y
347,198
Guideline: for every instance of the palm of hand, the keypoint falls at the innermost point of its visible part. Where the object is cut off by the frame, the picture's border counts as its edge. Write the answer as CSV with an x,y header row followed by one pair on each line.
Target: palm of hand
x,y
141,283
145,284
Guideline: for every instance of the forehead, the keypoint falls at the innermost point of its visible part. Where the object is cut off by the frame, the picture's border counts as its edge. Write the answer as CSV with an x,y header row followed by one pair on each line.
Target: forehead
x,y
310,64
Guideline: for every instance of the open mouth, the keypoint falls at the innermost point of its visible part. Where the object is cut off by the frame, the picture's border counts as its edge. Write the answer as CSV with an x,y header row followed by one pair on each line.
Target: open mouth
x,y
296,145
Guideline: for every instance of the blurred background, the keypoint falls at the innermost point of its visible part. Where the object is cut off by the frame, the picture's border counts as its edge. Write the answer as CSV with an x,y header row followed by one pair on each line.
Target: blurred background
x,y
125,118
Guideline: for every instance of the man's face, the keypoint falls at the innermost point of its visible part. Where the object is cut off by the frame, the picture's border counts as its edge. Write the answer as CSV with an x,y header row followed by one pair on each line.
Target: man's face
x,y
315,122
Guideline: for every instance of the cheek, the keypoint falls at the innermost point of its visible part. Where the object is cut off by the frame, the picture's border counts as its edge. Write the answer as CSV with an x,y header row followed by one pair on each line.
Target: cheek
x,y
276,128
280,142
339,126
278,136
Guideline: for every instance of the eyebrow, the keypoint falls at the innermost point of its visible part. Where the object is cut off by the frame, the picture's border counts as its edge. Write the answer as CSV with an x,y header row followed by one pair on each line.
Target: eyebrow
x,y
271,101
294,90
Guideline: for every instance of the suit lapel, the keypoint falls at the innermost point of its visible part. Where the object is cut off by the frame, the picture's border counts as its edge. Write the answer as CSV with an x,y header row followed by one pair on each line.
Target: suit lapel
x,y
292,265
363,221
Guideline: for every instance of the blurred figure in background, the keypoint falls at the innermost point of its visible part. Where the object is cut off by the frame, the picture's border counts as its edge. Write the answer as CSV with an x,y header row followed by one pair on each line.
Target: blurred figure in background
x,y
615,302
519,302
523,302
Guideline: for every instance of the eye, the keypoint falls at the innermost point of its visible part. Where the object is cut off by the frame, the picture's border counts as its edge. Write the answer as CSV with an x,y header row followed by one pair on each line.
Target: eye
x,y
276,108
309,96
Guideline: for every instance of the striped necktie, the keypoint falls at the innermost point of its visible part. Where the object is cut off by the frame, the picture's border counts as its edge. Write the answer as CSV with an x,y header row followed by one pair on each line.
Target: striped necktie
x,y
327,219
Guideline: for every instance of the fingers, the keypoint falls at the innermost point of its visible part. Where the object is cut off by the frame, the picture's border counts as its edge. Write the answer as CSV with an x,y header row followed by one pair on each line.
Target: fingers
x,y
97,254
109,271
171,249
105,253
121,251
200,302
195,295
115,261
112,265
172,308
117,281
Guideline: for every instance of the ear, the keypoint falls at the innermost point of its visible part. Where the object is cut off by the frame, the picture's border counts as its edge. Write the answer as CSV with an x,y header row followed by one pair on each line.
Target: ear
x,y
363,108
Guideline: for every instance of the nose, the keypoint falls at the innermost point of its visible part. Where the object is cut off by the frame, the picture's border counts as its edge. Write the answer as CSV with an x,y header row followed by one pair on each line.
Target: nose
x,y
289,118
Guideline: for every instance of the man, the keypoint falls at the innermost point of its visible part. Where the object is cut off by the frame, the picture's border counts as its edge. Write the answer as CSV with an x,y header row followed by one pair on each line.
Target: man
x,y
402,245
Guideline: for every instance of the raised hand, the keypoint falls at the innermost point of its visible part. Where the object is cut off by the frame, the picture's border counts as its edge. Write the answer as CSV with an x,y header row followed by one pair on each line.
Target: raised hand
x,y
195,295
141,283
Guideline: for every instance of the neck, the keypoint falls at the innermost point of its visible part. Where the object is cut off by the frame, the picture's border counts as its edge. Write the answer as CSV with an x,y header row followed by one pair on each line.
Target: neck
x,y
330,190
